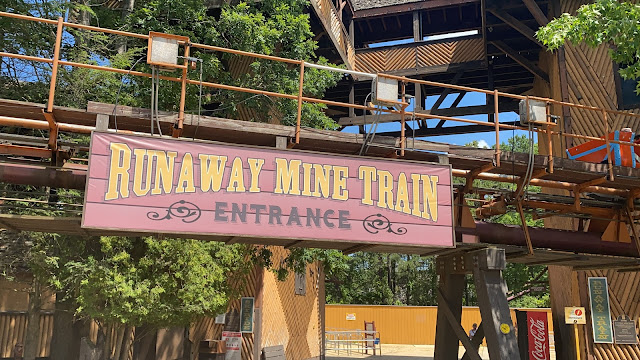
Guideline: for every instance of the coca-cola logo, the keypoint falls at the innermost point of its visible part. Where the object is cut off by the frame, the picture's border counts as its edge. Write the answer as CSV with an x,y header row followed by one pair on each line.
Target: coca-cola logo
x,y
538,333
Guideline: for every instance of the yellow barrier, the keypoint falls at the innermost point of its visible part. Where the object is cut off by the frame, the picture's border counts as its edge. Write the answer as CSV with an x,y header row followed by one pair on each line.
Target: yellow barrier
x,y
401,324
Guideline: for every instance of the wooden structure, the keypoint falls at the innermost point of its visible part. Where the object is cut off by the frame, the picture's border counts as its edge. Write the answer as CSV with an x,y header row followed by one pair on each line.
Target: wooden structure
x,y
502,55
283,317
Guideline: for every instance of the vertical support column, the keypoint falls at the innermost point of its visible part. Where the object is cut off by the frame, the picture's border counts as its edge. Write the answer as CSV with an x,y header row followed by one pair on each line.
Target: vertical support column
x,y
418,101
417,26
451,287
492,300
352,98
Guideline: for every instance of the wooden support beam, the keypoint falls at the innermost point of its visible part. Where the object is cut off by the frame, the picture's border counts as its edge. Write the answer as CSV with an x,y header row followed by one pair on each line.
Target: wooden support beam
x,y
447,91
516,24
524,62
356,248
454,323
537,13
417,26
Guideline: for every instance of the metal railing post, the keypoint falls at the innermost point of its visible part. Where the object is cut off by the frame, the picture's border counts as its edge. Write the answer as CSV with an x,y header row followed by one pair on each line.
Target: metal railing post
x,y
497,126
403,135
177,131
606,139
54,64
300,89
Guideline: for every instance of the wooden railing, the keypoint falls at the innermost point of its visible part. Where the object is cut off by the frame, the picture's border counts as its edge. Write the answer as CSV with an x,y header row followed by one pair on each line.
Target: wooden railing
x,y
328,14
421,57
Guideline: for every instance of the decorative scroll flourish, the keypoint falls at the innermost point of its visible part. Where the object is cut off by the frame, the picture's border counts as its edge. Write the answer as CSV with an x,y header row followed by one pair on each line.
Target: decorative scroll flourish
x,y
188,212
378,222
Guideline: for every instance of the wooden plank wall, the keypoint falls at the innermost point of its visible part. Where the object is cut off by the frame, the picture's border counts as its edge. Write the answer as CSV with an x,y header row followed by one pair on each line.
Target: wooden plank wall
x,y
624,296
415,325
206,328
294,321
13,327
419,55
591,82
590,78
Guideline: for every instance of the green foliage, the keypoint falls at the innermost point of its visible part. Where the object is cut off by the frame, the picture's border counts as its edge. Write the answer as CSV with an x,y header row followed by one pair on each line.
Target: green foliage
x,y
135,281
602,22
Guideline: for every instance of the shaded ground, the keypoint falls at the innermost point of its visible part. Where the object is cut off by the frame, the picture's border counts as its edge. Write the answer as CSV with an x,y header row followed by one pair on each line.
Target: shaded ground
x,y
404,352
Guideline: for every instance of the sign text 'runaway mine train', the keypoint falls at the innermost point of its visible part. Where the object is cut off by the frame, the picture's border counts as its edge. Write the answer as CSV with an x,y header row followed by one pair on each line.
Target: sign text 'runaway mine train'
x,y
160,185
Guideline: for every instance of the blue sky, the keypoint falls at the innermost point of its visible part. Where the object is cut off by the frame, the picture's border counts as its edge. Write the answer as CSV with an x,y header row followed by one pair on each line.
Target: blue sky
x,y
470,99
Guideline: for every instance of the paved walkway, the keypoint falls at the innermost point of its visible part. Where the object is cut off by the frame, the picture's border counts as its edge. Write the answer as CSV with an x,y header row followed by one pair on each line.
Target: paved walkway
x,y
400,352
405,352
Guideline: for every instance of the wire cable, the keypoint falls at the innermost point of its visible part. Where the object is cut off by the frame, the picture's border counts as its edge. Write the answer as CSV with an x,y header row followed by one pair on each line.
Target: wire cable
x,y
115,113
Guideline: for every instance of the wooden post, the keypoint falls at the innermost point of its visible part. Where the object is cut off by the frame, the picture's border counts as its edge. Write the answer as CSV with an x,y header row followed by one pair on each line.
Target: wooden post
x,y
452,288
417,26
494,307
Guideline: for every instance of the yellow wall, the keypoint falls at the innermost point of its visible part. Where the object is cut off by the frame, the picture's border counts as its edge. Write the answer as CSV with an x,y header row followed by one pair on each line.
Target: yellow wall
x,y
400,324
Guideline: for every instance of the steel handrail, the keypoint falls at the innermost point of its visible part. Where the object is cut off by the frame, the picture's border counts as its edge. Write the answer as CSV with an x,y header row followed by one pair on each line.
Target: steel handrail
x,y
548,130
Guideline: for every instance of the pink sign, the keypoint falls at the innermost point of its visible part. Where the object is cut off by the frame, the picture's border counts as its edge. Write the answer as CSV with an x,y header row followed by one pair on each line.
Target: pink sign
x,y
161,185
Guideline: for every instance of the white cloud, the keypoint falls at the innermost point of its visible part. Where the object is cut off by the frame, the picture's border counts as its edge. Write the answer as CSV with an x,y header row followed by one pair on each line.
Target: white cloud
x,y
483,144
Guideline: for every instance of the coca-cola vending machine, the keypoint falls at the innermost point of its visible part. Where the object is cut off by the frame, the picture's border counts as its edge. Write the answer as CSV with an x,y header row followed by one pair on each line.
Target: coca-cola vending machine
x,y
533,335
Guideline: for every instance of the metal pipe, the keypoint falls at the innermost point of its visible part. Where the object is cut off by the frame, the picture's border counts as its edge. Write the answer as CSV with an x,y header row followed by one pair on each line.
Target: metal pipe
x,y
54,66
540,182
560,240
300,88
403,136
25,57
177,131
43,125
496,122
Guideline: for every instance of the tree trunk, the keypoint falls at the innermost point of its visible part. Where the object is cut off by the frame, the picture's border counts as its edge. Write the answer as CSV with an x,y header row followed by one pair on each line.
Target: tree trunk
x,y
31,350
144,346
65,342
127,9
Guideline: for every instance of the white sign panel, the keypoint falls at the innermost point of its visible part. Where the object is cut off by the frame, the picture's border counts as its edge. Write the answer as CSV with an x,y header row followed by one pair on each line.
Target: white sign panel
x,y
234,345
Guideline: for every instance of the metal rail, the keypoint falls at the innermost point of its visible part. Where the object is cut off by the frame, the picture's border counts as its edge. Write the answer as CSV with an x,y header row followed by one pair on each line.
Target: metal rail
x,y
53,126
353,341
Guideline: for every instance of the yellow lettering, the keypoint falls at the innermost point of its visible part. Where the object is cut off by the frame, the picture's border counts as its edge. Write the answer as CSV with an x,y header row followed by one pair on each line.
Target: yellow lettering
x,y
415,189
306,179
255,165
402,196
430,186
322,174
141,156
119,174
366,173
185,181
385,189
340,176
211,172
236,181
165,161
287,176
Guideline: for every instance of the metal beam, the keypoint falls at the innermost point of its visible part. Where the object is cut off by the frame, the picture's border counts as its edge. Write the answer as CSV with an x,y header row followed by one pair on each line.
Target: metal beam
x,y
534,69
